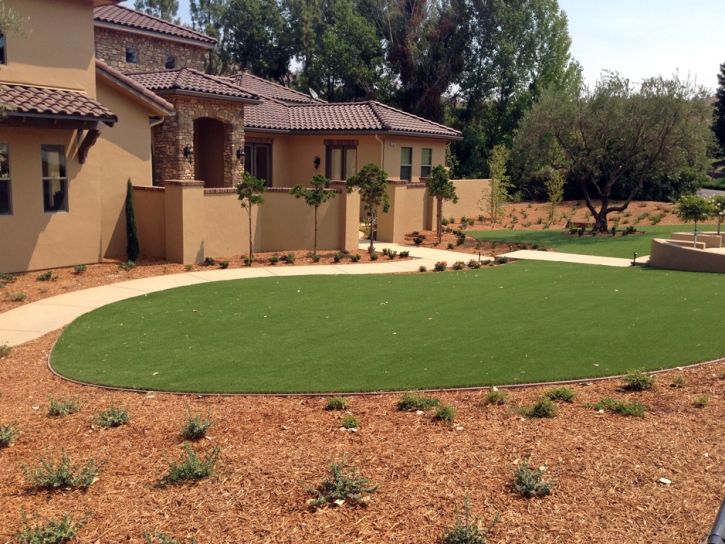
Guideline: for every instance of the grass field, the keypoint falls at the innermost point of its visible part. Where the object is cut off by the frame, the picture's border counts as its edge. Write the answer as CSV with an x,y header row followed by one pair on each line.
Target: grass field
x,y
523,322
603,246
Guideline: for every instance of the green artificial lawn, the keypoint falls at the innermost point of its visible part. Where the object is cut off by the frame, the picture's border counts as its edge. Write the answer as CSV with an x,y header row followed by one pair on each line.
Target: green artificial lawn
x,y
523,322
601,245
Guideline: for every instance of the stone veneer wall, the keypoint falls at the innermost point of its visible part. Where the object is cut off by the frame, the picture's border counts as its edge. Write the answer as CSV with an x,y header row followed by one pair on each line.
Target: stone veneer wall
x,y
175,133
111,47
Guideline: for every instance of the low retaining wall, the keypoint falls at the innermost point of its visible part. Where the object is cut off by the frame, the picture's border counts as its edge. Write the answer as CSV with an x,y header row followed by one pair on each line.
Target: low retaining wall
x,y
183,222
665,254
710,239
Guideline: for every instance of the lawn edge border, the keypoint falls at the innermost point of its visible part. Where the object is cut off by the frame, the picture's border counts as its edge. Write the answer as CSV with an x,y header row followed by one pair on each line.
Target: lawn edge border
x,y
367,393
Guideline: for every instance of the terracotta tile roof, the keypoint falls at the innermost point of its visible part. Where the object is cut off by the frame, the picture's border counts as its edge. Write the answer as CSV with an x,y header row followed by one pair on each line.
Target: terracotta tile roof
x,y
269,89
340,117
190,80
121,15
39,101
133,85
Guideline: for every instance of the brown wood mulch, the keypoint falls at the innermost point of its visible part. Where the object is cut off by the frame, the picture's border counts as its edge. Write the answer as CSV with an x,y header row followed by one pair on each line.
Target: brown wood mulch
x,y
608,487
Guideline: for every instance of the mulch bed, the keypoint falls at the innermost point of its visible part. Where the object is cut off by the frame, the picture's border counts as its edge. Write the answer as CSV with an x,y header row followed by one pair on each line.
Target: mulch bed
x,y
608,488
108,272
470,245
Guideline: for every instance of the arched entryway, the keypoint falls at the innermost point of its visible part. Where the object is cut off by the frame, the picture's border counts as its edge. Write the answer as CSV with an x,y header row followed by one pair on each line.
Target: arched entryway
x,y
209,151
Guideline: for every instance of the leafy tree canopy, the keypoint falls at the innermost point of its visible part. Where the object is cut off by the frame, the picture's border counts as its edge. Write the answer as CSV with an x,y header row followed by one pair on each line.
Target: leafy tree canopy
x,y
719,121
164,9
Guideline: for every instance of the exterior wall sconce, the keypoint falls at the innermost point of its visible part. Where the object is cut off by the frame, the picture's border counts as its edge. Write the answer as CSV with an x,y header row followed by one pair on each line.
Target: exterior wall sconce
x,y
189,153
240,154
317,162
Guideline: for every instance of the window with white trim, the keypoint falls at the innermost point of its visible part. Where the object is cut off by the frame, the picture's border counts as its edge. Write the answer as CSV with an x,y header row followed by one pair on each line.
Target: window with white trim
x,y
406,163
6,207
426,161
55,180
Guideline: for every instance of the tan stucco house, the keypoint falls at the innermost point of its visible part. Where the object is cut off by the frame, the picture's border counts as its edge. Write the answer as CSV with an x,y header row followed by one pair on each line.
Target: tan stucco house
x,y
124,95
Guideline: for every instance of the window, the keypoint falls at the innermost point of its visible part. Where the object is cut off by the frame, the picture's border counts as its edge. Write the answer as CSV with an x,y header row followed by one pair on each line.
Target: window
x,y
131,56
170,62
3,59
341,160
426,159
258,161
5,194
406,163
55,182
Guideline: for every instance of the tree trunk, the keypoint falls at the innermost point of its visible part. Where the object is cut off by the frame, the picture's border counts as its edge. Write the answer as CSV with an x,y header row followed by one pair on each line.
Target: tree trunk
x,y
694,242
439,227
372,226
600,224
251,244
314,251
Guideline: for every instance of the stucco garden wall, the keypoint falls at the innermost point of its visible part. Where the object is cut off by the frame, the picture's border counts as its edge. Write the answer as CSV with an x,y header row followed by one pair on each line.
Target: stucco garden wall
x,y
469,193
675,257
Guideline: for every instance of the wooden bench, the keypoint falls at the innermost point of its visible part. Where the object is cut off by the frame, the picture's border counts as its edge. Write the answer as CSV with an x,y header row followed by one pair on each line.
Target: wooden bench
x,y
575,225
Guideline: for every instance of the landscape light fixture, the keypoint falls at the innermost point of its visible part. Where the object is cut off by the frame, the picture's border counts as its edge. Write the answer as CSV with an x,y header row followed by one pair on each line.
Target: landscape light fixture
x,y
189,153
634,261
240,154
317,162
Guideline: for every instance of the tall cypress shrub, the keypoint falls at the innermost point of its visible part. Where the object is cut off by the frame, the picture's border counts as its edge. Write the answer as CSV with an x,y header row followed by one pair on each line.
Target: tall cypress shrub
x,y
132,248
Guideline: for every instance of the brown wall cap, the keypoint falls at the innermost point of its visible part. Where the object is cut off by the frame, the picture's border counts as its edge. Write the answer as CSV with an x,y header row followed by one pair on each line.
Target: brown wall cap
x,y
182,183
149,188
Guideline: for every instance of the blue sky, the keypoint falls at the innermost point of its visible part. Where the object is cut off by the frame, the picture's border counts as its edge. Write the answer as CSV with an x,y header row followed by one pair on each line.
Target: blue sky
x,y
639,38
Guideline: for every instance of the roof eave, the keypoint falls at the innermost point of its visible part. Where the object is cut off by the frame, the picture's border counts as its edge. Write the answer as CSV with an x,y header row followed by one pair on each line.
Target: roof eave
x,y
159,35
110,121
356,132
206,96
156,107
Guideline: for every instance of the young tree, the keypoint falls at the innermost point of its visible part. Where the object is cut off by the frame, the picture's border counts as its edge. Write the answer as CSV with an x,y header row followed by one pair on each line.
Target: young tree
x,y
132,245
615,137
441,188
493,197
719,122
555,190
718,204
314,197
250,192
694,208
164,9
372,182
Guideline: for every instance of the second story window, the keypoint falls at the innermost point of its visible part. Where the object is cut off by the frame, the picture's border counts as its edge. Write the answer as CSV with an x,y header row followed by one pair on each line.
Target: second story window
x,y
170,62
55,181
131,56
3,57
426,160
406,163
5,194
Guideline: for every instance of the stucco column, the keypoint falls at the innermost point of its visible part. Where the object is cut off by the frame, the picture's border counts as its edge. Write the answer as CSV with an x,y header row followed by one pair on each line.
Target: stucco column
x,y
184,221
390,225
349,216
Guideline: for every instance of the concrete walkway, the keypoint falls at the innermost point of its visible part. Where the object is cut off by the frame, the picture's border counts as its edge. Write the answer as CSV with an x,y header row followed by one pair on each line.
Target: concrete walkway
x,y
39,318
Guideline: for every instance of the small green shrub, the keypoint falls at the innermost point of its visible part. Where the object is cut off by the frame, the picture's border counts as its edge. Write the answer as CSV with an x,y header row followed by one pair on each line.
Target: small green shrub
x,y
481,218
679,382
46,276
248,260
351,422
413,401
531,483
290,258
446,412
444,222
5,350
337,257
467,530
315,258
50,532
344,484
209,261
344,251
188,267
404,254
496,396
543,409
190,467
459,265
638,380
128,265
337,403
452,221
564,393
62,408
163,538
502,260
113,417
7,278
451,245
635,409
80,268
223,264
392,254
274,259
355,258
16,296
8,433
721,376
49,475
417,240
195,426
440,266
373,256
656,218
701,401
422,268
474,264
539,221
461,239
